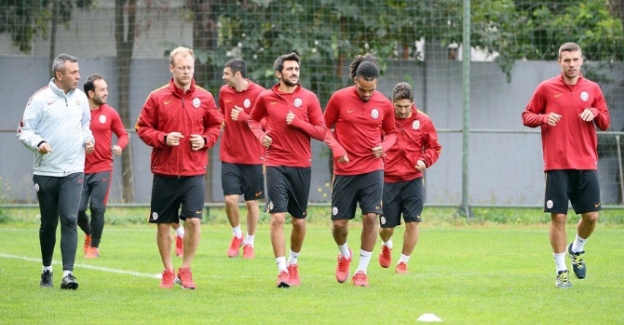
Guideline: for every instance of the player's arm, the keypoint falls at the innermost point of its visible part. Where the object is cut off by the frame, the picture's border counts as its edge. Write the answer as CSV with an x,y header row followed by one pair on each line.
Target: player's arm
x,y
332,112
388,126
120,131
26,130
533,114
431,146
257,114
602,119
147,125
212,124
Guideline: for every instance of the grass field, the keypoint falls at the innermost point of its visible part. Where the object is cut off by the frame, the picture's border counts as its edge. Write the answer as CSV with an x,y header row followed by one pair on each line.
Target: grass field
x,y
465,273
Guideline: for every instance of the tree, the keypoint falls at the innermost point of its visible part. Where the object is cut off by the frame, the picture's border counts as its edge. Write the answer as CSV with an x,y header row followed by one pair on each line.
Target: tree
x,y
125,32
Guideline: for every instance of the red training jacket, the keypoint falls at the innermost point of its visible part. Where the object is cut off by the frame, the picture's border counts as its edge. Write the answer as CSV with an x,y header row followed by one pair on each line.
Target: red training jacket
x,y
572,143
417,139
238,144
169,109
104,122
291,143
358,128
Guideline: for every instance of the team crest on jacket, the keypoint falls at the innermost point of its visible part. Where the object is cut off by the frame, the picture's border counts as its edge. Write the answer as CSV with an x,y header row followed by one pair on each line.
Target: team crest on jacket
x,y
416,125
247,103
196,102
584,96
374,113
298,102
102,119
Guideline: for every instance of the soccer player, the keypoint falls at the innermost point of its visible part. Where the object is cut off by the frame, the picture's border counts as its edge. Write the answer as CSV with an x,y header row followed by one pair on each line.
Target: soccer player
x,y
293,116
415,150
568,108
55,126
363,123
241,154
180,121
99,165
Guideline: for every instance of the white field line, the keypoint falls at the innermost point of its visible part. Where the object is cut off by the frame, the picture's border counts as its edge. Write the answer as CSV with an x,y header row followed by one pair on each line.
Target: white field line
x,y
84,266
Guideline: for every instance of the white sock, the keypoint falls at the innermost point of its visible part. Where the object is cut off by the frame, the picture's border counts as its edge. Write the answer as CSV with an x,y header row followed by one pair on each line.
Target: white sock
x,y
579,244
237,231
388,243
364,260
47,268
404,258
66,273
281,264
560,262
293,257
344,251
249,240
180,231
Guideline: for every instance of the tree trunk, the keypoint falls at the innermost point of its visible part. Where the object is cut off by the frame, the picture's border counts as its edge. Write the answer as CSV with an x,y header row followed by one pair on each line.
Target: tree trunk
x,y
124,38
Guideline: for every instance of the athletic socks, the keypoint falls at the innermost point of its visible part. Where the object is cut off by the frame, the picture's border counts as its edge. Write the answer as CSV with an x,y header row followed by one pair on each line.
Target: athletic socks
x,y
180,231
293,257
47,268
404,258
237,231
344,251
579,244
249,240
281,264
560,262
364,260
66,273
388,243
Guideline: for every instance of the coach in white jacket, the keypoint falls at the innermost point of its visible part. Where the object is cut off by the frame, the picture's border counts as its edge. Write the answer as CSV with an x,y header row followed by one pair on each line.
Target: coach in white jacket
x,y
55,125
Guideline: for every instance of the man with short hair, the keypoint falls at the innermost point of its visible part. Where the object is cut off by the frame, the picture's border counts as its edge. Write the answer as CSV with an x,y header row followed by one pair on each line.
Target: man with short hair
x,y
55,126
180,121
363,123
568,108
293,116
415,150
99,165
241,155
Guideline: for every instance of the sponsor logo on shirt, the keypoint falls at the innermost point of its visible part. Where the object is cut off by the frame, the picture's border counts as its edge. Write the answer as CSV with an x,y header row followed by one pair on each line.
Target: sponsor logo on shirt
x,y
167,102
52,102
558,95
349,111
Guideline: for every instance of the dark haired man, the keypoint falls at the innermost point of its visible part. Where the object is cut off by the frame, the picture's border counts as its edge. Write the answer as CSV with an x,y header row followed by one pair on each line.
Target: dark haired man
x,y
362,119
99,165
293,116
241,154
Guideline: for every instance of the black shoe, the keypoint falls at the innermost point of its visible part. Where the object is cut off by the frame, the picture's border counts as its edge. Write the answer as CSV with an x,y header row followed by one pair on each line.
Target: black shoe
x,y
46,279
69,282
578,263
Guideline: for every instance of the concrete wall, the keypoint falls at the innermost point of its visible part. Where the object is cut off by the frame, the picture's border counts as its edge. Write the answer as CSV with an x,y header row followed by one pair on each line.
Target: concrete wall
x,y
505,167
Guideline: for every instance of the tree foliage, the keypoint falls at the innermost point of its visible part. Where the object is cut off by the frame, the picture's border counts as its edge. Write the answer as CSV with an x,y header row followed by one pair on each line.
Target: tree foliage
x,y
24,19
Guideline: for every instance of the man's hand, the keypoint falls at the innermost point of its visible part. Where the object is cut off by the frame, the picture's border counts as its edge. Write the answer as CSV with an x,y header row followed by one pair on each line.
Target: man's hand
x,y
553,119
290,117
89,146
378,151
235,112
117,150
197,142
173,138
343,159
420,165
267,141
587,115
44,148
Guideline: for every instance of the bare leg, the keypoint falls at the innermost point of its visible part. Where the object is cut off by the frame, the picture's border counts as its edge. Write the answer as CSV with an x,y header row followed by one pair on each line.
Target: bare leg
x,y
587,224
231,209
558,236
297,235
192,229
277,234
410,238
340,231
163,239
369,231
253,212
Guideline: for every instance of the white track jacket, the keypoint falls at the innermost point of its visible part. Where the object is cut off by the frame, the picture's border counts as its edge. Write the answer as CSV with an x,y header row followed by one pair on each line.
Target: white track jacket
x,y
62,120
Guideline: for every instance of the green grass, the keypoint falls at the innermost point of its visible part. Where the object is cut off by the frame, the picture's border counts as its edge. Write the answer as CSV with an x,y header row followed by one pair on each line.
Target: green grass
x,y
479,272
